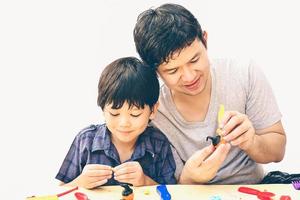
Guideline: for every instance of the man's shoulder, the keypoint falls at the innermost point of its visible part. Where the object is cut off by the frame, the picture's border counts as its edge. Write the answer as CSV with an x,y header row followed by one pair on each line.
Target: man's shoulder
x,y
231,63
231,70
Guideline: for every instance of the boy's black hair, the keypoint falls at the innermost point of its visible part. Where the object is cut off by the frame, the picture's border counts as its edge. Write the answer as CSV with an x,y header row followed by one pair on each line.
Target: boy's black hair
x,y
128,79
161,32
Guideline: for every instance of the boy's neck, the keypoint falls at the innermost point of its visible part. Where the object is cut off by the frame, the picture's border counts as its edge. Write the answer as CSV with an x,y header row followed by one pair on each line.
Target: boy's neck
x,y
125,150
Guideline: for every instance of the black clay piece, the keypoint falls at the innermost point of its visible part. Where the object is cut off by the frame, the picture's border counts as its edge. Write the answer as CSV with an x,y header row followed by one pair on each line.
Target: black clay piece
x,y
215,140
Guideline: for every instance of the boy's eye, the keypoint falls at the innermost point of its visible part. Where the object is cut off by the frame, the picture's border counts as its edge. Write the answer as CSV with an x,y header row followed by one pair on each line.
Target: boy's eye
x,y
114,114
135,115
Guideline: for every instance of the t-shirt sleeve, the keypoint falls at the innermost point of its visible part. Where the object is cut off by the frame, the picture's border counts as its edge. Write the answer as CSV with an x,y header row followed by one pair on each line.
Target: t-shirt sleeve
x,y
167,166
70,167
261,107
179,163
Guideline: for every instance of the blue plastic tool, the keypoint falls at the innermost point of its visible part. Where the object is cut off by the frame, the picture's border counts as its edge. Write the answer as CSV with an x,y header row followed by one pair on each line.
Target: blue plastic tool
x,y
163,192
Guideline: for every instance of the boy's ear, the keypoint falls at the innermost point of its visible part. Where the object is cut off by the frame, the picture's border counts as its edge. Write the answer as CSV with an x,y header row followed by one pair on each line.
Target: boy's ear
x,y
154,110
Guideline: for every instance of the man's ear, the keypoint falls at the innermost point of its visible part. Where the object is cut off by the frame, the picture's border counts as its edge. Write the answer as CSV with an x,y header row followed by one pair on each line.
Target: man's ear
x,y
154,110
205,38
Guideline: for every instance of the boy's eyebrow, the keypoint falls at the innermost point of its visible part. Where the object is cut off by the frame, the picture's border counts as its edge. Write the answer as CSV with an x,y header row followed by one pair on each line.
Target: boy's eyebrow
x,y
135,108
174,67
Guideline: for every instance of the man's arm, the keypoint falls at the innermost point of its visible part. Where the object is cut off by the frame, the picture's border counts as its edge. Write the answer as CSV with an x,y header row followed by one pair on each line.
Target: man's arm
x,y
268,144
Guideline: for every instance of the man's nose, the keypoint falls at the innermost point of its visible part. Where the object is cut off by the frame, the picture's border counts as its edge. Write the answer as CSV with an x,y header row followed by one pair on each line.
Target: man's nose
x,y
188,74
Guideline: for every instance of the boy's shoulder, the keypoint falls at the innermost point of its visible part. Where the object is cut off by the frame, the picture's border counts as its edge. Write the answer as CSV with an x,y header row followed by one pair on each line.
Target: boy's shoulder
x,y
155,134
91,131
90,136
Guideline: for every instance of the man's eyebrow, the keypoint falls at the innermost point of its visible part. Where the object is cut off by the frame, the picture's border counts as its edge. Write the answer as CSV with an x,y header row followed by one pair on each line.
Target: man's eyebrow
x,y
195,56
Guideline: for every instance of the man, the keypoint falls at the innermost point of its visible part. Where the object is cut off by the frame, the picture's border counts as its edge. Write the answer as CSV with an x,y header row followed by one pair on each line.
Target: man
x,y
170,39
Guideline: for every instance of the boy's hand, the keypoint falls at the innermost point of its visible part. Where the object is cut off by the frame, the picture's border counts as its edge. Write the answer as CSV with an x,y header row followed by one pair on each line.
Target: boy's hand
x,y
93,175
130,172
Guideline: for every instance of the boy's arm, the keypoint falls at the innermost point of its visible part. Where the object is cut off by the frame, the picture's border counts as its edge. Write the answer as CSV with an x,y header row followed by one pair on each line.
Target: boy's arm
x,y
167,166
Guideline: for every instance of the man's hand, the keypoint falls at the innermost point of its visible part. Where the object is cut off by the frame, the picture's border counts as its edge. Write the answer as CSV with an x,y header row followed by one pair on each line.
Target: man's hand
x,y
203,165
93,175
238,130
130,172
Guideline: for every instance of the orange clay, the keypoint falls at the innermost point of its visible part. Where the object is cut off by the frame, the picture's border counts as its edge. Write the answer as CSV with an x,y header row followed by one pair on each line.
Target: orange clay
x,y
221,142
129,197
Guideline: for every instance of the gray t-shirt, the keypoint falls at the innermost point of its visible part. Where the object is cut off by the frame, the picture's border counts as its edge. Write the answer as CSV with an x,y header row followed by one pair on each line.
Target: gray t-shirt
x,y
241,86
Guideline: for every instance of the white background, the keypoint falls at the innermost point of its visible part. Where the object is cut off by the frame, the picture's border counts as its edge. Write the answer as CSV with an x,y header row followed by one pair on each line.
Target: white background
x,y
52,53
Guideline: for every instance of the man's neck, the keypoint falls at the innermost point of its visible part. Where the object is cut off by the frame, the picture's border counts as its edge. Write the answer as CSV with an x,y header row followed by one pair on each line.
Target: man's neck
x,y
194,108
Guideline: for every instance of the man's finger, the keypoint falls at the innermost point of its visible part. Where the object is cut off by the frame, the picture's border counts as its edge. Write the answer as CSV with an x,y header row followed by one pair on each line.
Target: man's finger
x,y
227,116
218,156
199,156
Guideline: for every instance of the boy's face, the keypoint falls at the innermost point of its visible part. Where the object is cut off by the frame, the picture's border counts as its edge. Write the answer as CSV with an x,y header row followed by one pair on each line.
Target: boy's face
x,y
126,124
187,72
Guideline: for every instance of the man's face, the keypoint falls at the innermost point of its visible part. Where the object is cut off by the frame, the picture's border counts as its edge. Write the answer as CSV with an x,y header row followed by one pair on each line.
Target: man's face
x,y
126,124
187,72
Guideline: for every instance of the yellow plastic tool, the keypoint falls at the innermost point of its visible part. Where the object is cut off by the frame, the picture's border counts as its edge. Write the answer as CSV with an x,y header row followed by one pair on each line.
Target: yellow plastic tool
x,y
221,113
216,140
220,117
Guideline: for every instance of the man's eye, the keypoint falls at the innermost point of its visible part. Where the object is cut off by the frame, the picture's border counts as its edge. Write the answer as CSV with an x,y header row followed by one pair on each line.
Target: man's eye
x,y
173,71
135,115
194,61
114,115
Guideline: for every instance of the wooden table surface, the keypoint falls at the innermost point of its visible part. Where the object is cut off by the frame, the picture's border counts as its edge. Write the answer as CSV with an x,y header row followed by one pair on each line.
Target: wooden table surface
x,y
185,192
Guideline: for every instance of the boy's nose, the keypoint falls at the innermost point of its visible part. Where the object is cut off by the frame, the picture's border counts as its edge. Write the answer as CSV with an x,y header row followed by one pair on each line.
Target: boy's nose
x,y
124,121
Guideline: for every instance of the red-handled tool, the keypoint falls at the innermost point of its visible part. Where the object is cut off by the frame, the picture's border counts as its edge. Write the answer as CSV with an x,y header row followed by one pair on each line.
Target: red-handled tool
x,y
259,194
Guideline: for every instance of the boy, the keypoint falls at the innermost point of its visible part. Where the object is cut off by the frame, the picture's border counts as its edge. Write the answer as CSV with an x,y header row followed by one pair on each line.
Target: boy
x,y
125,148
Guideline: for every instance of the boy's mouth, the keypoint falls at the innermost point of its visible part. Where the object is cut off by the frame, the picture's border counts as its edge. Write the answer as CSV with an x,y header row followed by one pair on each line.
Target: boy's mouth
x,y
124,132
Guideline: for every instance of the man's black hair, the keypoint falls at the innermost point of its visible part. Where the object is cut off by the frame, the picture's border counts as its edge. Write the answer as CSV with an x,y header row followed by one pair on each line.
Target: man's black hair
x,y
128,79
161,32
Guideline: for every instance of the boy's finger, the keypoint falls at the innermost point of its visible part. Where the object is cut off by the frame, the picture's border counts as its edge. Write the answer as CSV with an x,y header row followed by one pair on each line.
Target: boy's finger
x,y
97,183
94,179
125,170
97,166
123,165
125,176
97,173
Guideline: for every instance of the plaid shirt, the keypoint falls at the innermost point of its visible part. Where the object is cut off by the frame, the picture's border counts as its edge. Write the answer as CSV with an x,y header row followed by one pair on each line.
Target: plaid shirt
x,y
93,146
